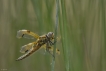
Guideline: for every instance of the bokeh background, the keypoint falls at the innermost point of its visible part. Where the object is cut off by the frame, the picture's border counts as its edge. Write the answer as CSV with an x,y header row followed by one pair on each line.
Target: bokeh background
x,y
82,29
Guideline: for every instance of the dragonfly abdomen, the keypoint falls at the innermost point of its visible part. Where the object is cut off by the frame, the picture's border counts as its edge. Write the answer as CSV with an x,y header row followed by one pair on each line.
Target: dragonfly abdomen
x,y
28,54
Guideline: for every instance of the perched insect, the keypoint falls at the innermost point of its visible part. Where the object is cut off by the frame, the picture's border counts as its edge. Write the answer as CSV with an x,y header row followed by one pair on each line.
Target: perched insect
x,y
44,40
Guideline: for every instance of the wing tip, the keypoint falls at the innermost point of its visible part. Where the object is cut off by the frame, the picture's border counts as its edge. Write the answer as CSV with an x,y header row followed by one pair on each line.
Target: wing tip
x,y
20,33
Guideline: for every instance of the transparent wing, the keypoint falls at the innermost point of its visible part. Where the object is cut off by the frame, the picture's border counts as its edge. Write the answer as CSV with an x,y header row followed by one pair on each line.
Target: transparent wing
x,y
25,55
51,49
26,34
58,38
27,47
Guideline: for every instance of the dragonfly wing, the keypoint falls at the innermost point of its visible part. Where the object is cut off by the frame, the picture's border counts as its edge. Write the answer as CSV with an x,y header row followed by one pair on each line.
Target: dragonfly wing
x,y
50,48
26,34
27,47
25,55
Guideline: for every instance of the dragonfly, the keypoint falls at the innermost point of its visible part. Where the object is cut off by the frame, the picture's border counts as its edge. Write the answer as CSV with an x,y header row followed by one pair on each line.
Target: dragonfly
x,y
46,41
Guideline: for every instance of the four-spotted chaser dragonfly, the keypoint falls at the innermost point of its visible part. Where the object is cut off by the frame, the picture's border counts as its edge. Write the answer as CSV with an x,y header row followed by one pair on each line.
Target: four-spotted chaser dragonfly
x,y
45,41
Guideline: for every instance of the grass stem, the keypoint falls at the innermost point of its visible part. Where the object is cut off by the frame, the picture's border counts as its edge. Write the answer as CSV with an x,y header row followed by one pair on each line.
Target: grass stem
x,y
55,32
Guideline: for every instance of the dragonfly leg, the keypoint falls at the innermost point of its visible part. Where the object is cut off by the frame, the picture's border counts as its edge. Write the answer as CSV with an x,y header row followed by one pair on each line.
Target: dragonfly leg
x,y
47,49
52,43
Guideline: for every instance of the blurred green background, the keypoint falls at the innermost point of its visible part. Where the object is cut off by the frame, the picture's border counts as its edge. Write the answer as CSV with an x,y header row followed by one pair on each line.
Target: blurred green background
x,y
82,28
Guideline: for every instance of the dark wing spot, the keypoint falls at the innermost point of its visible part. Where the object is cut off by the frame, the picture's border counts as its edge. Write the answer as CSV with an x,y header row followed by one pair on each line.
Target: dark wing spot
x,y
58,50
28,31
22,35
26,51
49,47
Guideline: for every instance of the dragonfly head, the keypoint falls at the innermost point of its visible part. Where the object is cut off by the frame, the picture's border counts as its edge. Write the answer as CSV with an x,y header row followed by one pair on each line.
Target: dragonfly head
x,y
50,35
